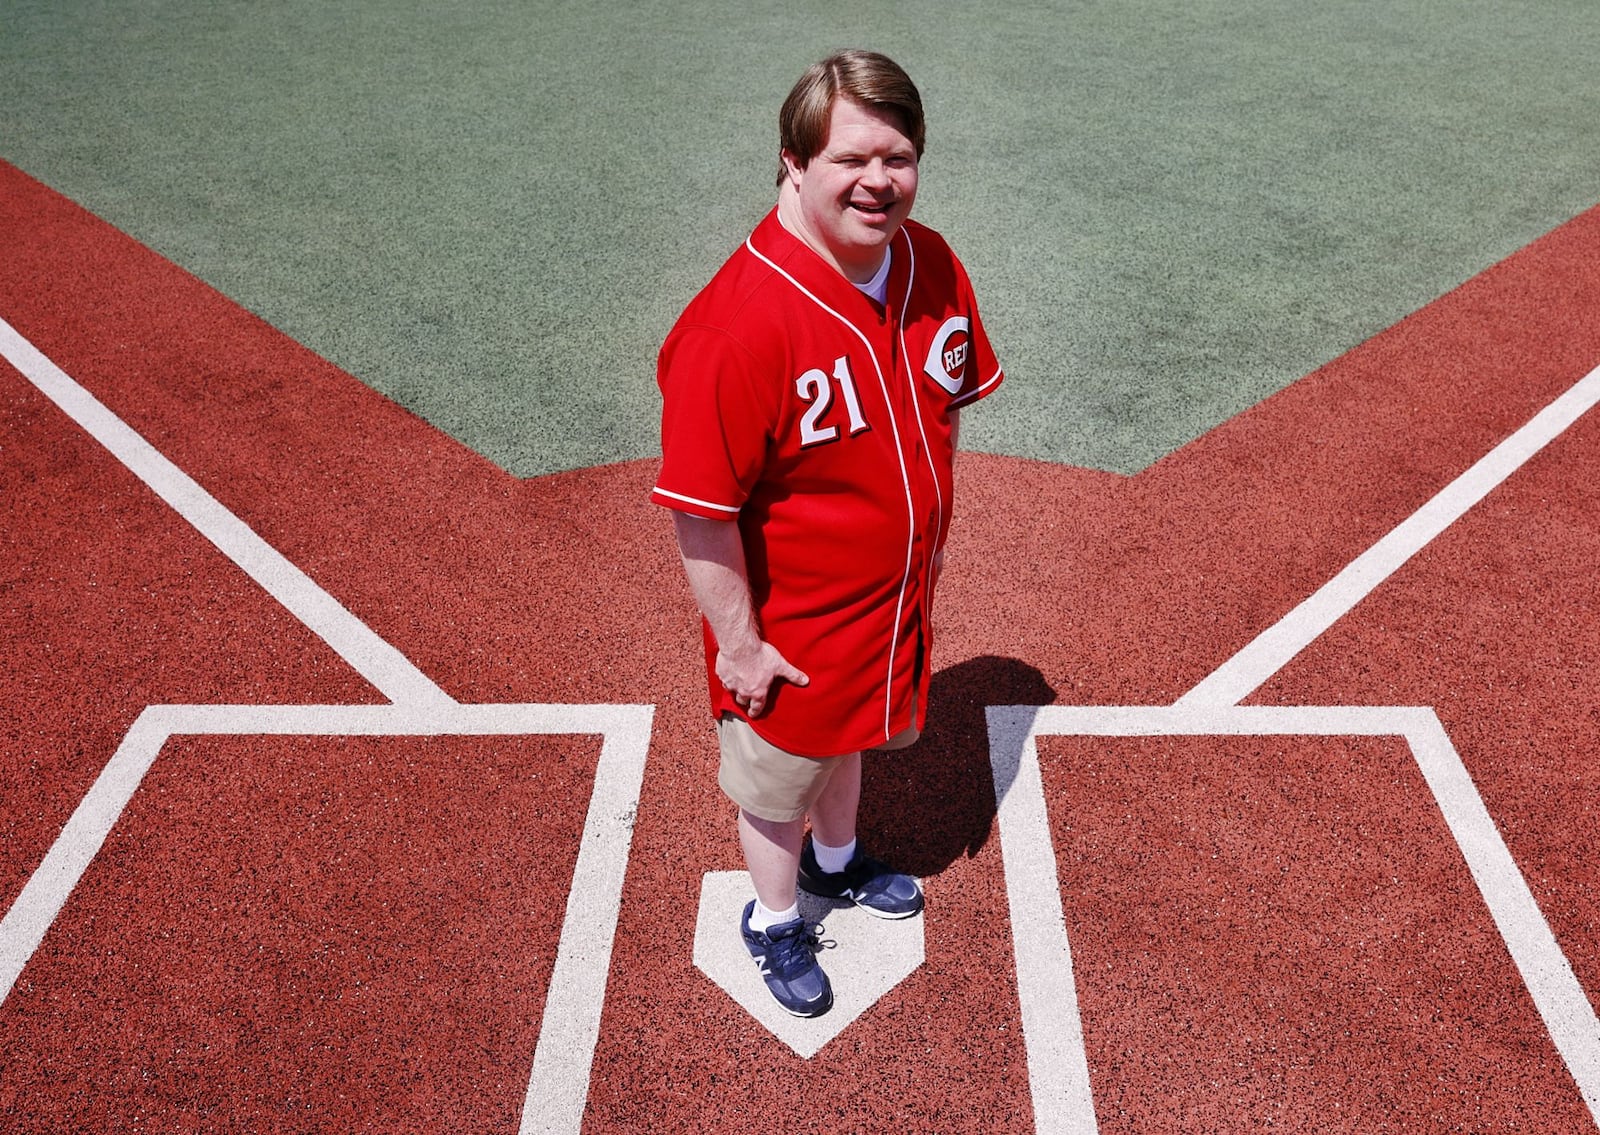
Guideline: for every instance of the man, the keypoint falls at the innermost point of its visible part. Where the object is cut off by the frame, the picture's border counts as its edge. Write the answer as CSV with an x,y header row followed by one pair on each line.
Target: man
x,y
808,436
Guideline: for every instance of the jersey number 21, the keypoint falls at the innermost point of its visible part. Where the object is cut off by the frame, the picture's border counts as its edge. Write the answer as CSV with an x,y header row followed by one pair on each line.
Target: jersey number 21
x,y
814,387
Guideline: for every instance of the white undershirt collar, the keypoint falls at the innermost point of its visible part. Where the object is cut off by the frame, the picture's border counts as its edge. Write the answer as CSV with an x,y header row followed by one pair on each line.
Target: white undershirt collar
x,y
878,287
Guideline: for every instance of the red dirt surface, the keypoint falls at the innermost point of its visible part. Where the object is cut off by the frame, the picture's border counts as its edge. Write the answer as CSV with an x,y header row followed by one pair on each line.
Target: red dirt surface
x,y
1326,992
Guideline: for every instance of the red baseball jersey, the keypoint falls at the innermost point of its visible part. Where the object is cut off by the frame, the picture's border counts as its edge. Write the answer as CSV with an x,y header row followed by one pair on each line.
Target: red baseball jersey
x,y
819,422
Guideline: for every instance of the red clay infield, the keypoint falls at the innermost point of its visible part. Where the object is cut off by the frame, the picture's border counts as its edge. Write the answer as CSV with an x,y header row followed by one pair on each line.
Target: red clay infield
x,y
346,933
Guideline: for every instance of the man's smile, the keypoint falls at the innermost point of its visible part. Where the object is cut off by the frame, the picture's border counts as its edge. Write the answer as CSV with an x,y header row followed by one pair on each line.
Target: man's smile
x,y
851,197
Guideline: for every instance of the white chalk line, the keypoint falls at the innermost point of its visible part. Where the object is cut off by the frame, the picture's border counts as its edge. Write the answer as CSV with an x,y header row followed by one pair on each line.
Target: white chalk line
x,y
558,1084
372,657
1052,1024
1272,650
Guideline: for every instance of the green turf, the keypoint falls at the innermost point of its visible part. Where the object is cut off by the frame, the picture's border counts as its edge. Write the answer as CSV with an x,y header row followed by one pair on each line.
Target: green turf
x,y
492,211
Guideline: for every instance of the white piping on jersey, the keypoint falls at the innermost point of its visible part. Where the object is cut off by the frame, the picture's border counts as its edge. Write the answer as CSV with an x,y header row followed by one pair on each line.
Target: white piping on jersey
x,y
927,450
696,500
905,477
976,392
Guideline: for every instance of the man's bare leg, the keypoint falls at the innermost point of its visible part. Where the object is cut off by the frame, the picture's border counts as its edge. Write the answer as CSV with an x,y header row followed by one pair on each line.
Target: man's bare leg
x,y
772,849
833,816
772,854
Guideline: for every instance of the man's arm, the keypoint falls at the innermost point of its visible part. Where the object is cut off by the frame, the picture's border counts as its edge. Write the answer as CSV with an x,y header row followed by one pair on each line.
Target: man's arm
x,y
713,559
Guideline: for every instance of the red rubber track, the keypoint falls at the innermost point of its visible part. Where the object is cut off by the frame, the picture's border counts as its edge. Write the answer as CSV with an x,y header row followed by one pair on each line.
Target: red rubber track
x,y
356,934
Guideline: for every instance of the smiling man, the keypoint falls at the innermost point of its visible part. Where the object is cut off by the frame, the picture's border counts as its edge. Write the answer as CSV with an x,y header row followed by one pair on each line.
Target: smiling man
x,y
809,424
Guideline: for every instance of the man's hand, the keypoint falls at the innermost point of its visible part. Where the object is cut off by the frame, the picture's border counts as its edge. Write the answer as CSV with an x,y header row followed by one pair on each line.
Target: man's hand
x,y
750,676
747,664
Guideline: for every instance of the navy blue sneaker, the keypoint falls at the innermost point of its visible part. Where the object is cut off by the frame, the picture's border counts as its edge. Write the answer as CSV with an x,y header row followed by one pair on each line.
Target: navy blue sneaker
x,y
866,882
786,954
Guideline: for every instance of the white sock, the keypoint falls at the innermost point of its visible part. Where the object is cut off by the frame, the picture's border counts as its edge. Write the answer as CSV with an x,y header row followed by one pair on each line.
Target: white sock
x,y
833,859
762,919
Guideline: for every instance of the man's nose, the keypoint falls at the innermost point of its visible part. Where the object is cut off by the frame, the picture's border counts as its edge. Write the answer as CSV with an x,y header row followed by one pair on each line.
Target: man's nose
x,y
876,174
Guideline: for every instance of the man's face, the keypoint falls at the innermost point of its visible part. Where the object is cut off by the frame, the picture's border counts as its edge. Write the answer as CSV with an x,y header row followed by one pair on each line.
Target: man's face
x,y
855,194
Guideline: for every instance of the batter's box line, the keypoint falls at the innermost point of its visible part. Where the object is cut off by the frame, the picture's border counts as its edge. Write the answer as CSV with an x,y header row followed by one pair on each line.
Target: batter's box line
x,y
559,1083
558,1086
1058,1068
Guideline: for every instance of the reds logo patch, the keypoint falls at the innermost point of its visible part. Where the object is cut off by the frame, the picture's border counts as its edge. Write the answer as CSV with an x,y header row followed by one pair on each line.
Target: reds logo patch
x,y
947,356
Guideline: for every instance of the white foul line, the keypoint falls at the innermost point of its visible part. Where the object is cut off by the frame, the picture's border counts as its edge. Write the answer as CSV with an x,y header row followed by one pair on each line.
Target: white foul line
x,y
1246,671
1052,1024
558,1084
372,657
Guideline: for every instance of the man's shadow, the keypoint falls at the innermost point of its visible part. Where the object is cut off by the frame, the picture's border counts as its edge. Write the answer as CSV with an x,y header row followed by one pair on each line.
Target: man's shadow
x,y
924,807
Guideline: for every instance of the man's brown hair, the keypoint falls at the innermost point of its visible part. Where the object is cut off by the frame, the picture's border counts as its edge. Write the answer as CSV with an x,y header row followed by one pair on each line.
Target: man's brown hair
x,y
863,77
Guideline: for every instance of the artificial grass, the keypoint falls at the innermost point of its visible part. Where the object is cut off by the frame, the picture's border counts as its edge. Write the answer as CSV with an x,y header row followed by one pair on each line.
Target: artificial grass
x,y
492,211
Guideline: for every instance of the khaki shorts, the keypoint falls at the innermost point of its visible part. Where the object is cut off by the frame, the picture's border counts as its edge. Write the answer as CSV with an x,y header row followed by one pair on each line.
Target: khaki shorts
x,y
771,783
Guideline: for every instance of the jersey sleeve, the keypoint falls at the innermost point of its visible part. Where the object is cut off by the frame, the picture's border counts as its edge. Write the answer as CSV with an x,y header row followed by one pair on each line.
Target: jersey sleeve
x,y
983,374
715,424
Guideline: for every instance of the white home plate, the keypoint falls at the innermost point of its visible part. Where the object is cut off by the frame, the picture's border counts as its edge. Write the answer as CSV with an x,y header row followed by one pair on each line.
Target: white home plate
x,y
867,957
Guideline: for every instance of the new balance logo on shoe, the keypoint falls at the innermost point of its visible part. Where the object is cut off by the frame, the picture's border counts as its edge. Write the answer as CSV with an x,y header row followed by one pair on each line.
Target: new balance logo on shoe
x,y
785,956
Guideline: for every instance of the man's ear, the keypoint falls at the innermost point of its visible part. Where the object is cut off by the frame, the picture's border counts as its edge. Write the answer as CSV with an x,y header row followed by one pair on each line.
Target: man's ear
x,y
793,167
